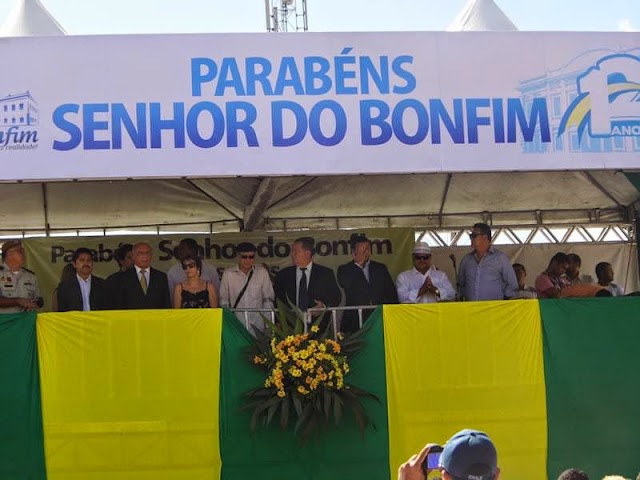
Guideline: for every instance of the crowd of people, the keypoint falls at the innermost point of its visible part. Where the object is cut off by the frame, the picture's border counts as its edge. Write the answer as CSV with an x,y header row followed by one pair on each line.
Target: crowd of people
x,y
468,455
485,273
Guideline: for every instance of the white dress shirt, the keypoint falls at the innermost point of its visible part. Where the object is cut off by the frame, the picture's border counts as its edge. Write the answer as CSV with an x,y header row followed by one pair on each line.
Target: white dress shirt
x,y
85,290
410,282
259,294
299,277
146,274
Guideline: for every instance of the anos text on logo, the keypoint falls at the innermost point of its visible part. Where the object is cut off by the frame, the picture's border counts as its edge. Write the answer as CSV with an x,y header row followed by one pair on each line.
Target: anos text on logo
x,y
608,101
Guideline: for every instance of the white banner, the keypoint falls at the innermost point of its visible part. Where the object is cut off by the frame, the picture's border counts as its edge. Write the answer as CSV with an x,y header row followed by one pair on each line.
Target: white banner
x,y
314,104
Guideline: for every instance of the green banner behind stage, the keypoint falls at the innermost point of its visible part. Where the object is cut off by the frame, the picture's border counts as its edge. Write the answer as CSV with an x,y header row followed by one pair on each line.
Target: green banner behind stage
x,y
21,447
47,256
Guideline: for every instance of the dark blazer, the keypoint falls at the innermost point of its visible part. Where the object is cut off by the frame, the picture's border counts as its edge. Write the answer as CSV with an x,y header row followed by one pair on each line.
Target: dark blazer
x,y
70,296
379,290
131,296
322,287
113,283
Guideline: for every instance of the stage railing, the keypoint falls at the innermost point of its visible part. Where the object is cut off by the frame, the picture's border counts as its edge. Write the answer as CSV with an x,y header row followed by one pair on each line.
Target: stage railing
x,y
243,314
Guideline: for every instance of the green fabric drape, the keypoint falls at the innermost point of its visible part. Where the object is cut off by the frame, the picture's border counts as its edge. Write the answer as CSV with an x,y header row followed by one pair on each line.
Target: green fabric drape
x,y
341,454
21,438
593,385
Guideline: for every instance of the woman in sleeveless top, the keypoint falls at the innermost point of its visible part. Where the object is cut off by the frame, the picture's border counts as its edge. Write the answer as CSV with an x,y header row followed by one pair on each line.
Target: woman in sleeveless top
x,y
195,292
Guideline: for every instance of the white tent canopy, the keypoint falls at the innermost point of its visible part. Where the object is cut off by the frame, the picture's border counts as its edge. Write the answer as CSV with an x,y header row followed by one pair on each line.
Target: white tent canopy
x,y
434,200
481,16
30,18
284,203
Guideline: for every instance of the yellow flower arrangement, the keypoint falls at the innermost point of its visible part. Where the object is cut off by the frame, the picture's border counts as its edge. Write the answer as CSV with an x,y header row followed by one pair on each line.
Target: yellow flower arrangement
x,y
305,375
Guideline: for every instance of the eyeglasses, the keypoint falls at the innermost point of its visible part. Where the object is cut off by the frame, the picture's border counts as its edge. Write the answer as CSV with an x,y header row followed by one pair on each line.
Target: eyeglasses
x,y
189,265
251,257
422,257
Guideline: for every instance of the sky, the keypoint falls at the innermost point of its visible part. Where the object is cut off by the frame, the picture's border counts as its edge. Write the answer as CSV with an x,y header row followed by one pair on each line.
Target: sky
x,y
89,17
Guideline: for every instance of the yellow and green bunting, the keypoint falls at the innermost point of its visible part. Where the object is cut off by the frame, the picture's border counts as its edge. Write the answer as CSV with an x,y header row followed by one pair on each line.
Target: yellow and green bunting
x,y
158,394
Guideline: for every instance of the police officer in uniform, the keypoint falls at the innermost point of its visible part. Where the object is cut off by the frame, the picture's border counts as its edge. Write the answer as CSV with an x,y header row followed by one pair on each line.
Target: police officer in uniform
x,y
19,290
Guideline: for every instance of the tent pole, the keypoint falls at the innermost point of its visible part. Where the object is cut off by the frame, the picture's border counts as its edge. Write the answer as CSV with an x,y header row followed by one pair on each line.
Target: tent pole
x,y
45,208
636,228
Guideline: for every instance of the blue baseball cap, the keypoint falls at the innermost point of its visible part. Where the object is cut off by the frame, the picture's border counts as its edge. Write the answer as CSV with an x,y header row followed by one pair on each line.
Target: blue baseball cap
x,y
470,455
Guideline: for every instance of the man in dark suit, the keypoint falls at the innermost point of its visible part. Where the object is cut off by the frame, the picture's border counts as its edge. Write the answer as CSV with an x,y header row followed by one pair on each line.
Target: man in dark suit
x,y
365,282
143,287
84,291
307,284
124,256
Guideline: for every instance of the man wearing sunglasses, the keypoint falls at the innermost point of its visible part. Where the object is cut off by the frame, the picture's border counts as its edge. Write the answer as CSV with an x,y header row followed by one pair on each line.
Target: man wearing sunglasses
x,y
247,285
424,283
485,273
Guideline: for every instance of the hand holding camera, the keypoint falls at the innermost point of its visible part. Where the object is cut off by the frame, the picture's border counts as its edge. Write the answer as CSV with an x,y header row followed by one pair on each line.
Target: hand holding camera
x,y
423,465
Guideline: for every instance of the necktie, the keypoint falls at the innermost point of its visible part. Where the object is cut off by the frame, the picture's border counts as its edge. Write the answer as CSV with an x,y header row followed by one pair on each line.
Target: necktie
x,y
143,281
303,293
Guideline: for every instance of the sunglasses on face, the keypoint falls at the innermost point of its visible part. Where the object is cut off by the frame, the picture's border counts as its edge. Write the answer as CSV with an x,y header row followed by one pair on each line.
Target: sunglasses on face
x,y
474,234
422,257
251,257
188,265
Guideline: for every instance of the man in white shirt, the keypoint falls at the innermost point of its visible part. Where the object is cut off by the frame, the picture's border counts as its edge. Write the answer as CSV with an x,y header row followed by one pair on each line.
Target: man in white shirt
x,y
424,283
247,285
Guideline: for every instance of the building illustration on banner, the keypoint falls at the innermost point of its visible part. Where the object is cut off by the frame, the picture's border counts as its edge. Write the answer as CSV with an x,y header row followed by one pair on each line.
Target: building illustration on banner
x,y
18,116
594,104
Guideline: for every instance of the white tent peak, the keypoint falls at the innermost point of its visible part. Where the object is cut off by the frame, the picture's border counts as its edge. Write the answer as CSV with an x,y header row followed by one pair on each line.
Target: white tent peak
x,y
481,16
30,18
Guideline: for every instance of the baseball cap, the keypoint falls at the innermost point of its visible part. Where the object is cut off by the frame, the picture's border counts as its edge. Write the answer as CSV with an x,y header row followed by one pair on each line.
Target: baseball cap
x,y
422,247
470,455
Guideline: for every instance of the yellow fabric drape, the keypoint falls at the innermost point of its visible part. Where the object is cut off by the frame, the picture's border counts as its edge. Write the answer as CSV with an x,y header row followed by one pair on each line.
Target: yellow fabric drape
x,y
131,394
467,365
